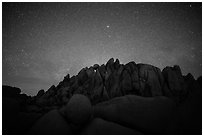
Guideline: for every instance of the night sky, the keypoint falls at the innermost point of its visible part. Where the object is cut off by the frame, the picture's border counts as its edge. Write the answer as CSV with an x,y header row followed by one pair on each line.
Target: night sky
x,y
42,42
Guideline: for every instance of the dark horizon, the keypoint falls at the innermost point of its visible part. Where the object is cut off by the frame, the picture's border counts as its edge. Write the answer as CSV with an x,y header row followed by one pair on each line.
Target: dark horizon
x,y
23,91
42,42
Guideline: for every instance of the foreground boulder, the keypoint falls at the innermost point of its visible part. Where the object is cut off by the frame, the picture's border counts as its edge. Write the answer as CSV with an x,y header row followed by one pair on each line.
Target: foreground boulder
x,y
148,115
99,126
14,121
51,123
10,111
78,110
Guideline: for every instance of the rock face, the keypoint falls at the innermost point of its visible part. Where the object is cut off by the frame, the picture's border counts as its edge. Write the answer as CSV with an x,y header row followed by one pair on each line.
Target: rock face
x,y
14,106
8,91
78,110
40,93
175,82
99,126
51,123
136,96
150,115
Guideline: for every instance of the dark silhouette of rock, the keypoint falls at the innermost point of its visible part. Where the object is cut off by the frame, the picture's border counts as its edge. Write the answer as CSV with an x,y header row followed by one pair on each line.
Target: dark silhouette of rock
x,y
95,66
98,88
40,93
135,81
175,82
113,84
126,82
102,70
78,110
101,127
65,95
117,64
149,75
66,78
10,110
189,77
131,99
26,121
51,123
148,115
14,120
105,95
200,80
8,91
82,76
110,62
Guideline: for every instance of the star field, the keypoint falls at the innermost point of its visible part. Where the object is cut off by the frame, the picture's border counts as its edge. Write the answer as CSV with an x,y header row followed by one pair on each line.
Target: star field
x,y
42,42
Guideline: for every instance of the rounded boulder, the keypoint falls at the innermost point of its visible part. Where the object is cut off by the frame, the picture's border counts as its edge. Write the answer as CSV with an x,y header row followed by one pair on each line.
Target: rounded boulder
x,y
78,110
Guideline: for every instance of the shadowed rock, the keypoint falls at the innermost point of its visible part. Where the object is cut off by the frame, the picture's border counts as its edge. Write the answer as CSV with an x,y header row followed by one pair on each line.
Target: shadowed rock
x,y
78,110
149,115
129,98
95,66
8,91
101,127
175,82
51,123
149,76
40,93
126,82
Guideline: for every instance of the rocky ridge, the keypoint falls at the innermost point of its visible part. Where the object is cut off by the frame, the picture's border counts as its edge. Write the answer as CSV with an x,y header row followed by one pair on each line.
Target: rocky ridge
x,y
101,84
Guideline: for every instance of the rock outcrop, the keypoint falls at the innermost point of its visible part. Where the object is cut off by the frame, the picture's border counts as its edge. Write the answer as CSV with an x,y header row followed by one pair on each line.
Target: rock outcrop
x,y
136,98
78,111
51,123
147,114
99,126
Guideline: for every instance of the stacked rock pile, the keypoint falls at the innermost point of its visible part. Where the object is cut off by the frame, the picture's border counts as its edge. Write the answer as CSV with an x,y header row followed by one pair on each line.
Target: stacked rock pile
x,y
109,99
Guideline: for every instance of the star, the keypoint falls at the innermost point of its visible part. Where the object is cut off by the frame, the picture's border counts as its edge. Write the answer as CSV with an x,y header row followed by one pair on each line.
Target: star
x,y
192,48
191,32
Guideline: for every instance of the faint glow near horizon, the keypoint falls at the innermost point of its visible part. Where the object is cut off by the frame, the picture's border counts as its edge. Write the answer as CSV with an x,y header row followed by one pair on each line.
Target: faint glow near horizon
x,y
42,42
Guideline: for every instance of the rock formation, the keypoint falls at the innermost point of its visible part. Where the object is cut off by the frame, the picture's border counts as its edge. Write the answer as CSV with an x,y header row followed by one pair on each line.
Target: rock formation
x,y
131,99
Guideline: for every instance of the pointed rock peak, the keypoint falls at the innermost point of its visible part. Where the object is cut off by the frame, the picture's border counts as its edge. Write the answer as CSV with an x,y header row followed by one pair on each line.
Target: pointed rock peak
x,y
177,69
110,61
117,61
189,76
117,64
66,78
